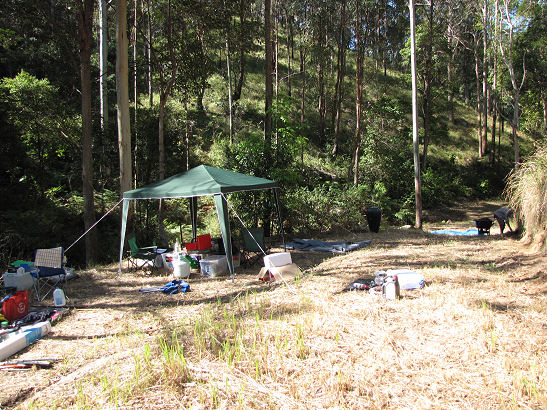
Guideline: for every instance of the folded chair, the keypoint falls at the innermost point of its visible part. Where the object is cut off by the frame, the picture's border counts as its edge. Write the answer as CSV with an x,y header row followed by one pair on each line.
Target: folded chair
x,y
50,271
141,256
253,245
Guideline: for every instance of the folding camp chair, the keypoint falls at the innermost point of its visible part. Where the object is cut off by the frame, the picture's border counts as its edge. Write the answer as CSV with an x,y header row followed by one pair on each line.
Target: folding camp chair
x,y
49,272
141,256
253,245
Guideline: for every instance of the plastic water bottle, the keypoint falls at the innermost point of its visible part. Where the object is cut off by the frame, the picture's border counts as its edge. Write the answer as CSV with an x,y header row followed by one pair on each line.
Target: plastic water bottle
x,y
391,289
360,286
59,297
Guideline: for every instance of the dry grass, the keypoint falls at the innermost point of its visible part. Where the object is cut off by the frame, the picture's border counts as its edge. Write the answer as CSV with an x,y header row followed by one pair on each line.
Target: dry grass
x,y
527,192
474,337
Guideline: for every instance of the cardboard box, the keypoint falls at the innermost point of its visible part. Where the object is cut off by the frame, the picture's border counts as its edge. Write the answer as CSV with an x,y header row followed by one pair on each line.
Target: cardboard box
x,y
280,273
277,259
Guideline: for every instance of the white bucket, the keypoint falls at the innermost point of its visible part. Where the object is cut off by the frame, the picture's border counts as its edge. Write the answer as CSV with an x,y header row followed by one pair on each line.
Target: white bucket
x,y
181,268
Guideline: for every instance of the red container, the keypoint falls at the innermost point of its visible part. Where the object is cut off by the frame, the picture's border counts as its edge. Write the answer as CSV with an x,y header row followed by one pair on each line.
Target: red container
x,y
16,306
202,242
192,246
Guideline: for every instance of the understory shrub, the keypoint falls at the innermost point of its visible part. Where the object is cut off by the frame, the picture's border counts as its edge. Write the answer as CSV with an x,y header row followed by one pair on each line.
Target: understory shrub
x,y
527,194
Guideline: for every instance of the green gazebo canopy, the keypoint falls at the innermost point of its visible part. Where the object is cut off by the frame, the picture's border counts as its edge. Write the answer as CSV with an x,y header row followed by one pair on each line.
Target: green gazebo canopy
x,y
200,181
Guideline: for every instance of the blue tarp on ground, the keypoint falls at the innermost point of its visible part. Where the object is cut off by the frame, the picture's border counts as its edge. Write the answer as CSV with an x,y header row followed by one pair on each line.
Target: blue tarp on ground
x,y
469,232
321,246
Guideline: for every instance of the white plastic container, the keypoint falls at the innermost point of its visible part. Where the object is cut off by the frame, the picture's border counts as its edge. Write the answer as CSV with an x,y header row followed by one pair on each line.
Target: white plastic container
x,y
277,259
21,280
181,268
59,297
407,279
214,265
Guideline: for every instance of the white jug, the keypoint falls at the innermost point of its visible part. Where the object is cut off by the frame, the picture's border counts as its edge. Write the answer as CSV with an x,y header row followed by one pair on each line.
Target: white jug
x,y
59,297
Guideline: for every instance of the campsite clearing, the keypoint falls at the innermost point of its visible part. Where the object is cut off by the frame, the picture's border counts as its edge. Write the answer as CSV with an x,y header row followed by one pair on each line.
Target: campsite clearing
x,y
474,337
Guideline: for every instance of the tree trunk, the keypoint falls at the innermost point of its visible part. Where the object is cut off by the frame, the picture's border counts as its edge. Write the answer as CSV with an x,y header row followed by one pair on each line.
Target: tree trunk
x,y
135,92
149,55
494,91
303,72
507,54
269,70
484,130
122,97
428,73
85,28
276,73
479,99
544,102
103,65
340,76
289,53
416,144
229,79
241,37
322,109
358,93
166,88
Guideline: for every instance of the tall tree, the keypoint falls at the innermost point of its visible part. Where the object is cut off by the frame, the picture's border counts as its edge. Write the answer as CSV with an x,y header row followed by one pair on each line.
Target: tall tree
x,y
167,80
417,178
85,29
507,44
340,72
122,97
358,90
103,64
269,69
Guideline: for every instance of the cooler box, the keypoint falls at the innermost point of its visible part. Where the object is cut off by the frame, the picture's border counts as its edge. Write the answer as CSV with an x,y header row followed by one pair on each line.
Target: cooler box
x,y
277,259
214,265
21,281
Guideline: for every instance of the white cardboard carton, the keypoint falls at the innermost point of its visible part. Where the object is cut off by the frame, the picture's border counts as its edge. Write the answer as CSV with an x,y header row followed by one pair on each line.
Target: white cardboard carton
x,y
277,259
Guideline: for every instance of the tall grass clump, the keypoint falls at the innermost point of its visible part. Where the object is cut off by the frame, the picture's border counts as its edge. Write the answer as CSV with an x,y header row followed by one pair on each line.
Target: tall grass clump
x,y
526,191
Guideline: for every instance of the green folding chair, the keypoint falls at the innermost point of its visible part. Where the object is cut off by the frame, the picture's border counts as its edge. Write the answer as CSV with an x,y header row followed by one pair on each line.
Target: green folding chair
x,y
138,257
253,245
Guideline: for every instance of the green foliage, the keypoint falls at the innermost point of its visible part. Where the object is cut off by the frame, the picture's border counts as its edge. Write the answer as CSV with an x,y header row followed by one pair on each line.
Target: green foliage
x,y
324,207
46,133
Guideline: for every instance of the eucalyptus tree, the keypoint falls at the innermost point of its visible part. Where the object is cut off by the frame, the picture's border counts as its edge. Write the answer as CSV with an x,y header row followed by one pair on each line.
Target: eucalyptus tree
x,y
532,46
85,11
510,21
122,98
342,44
268,55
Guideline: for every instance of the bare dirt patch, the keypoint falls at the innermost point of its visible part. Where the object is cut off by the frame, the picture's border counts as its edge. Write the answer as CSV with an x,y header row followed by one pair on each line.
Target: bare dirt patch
x,y
474,337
